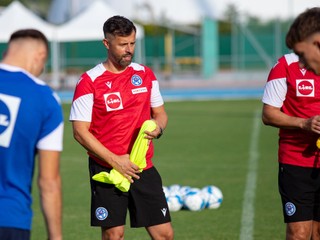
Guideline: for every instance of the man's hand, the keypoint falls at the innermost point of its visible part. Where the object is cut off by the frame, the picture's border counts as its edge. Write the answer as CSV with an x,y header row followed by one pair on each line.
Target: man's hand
x,y
154,134
312,124
127,168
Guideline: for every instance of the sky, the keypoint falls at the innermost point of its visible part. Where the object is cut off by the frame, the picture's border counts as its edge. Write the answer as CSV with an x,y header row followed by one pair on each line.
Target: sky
x,y
266,9
189,11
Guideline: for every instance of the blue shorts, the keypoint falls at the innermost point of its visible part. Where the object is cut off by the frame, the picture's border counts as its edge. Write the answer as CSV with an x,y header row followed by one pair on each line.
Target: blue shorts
x,y
145,200
7,233
299,188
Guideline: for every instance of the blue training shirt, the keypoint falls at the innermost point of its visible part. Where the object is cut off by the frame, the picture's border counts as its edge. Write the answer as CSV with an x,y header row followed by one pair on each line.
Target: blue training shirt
x,y
30,119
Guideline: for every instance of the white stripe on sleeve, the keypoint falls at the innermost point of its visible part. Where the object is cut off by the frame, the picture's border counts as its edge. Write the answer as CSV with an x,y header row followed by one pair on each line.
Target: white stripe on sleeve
x,y
156,98
81,109
275,92
53,141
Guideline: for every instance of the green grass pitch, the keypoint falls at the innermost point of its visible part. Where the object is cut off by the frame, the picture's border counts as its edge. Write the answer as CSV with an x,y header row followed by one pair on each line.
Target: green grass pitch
x,y
206,142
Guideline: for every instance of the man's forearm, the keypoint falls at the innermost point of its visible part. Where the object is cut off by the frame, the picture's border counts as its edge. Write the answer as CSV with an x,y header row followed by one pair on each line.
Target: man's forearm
x,y
51,201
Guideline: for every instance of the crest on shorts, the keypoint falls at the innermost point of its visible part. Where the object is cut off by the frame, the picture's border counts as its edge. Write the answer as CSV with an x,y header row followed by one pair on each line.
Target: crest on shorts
x,y
290,208
101,213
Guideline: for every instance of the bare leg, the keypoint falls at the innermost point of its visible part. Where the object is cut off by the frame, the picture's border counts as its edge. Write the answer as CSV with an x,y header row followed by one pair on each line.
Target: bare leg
x,y
161,231
299,230
114,233
315,230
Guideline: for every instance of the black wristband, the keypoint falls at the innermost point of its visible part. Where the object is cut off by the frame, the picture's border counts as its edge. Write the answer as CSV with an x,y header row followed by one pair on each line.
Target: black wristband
x,y
160,134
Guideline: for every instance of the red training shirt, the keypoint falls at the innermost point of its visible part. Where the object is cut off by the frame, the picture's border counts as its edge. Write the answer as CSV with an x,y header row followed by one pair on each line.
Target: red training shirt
x,y
297,92
116,105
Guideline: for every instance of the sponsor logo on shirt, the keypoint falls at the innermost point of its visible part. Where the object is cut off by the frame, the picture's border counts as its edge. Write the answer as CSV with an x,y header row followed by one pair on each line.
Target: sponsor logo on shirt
x,y
139,90
305,87
136,80
9,107
113,101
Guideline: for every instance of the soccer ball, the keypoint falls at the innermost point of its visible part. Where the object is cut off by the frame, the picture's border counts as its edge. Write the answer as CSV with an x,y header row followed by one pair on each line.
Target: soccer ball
x,y
213,196
165,191
184,191
194,200
175,203
174,190
173,197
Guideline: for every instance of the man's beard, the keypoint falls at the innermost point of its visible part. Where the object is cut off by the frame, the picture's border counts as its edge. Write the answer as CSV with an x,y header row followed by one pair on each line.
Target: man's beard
x,y
124,63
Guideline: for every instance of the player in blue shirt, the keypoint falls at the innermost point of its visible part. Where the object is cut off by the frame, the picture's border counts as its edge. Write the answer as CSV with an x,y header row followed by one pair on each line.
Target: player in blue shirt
x,y
31,124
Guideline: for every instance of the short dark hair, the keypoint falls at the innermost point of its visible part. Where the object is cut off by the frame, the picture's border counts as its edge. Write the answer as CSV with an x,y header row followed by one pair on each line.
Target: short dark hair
x,y
306,24
29,33
118,26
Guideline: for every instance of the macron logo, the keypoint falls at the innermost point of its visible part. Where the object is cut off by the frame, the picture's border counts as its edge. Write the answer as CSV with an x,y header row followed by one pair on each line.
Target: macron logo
x,y
109,84
303,71
164,211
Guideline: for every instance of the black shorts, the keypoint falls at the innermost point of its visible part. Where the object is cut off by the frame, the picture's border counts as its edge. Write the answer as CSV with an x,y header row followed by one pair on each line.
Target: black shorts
x,y
299,188
9,233
145,200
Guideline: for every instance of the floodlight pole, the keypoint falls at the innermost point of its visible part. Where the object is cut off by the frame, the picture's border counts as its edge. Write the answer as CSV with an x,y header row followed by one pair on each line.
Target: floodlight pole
x,y
55,81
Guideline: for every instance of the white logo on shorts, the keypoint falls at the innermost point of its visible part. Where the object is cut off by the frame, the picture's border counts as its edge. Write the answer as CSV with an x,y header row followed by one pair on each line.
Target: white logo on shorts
x,y
290,208
164,211
101,213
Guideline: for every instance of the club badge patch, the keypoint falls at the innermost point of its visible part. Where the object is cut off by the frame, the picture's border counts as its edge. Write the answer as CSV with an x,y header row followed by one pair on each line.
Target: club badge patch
x,y
136,80
101,213
290,208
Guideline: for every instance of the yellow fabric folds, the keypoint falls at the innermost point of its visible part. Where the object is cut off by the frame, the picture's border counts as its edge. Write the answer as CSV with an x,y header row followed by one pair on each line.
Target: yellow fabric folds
x,y
137,156
318,142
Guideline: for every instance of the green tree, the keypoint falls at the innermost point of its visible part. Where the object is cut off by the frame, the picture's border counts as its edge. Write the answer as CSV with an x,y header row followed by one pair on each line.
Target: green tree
x,y
40,7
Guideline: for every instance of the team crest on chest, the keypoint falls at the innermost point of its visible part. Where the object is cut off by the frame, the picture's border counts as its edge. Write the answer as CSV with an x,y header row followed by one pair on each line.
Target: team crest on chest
x,y
113,101
305,88
136,80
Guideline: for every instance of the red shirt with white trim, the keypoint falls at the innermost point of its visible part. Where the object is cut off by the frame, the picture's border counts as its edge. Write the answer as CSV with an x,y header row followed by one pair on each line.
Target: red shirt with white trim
x,y
297,92
116,105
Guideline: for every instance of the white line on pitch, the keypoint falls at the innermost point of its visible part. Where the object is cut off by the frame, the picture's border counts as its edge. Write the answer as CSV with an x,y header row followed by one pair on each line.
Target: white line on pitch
x,y
247,219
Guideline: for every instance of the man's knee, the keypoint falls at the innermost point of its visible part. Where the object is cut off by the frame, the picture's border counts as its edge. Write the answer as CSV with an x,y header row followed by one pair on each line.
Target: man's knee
x,y
115,233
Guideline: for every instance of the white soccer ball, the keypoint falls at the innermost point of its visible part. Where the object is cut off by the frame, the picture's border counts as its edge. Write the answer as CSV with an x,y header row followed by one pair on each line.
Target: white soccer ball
x,y
194,200
174,189
184,190
175,203
165,191
213,196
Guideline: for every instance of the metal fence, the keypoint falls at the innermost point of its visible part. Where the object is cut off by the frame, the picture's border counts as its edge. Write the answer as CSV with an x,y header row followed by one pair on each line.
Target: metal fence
x,y
244,49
